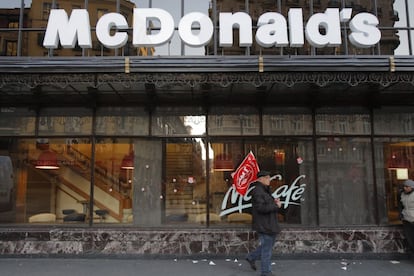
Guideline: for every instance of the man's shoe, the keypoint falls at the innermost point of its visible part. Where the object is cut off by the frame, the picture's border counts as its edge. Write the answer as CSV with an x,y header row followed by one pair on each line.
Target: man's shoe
x,y
251,263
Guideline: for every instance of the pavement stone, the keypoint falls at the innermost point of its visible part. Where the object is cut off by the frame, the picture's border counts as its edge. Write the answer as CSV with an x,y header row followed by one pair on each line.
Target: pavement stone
x,y
200,267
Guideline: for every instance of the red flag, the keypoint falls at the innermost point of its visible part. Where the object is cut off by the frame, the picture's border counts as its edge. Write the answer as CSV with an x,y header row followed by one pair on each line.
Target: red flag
x,y
245,174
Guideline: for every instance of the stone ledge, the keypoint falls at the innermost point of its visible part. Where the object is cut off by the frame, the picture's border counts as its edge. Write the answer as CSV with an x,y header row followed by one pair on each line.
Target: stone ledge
x,y
197,242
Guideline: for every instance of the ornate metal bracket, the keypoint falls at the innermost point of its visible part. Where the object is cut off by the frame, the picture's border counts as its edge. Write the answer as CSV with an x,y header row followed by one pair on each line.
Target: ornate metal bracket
x,y
289,79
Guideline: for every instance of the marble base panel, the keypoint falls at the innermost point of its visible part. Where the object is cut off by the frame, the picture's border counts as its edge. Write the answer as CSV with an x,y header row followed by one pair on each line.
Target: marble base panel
x,y
195,242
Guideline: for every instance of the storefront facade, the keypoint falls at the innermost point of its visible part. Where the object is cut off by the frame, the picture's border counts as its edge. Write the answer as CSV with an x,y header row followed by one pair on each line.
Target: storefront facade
x,y
121,152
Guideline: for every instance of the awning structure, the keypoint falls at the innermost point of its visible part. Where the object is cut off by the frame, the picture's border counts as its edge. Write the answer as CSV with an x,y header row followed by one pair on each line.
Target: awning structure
x,y
261,80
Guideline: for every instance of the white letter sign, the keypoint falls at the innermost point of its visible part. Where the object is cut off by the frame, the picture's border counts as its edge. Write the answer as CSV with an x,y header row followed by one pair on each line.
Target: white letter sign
x,y
330,22
240,20
291,195
103,30
68,30
142,18
272,30
296,28
364,30
206,29
154,27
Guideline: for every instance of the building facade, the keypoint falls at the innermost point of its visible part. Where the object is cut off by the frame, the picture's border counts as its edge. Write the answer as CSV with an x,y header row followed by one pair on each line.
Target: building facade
x,y
128,147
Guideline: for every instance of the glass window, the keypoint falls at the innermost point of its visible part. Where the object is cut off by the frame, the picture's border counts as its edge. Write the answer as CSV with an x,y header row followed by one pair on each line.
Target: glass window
x,y
47,6
8,181
9,25
233,121
394,164
101,12
70,188
177,8
397,34
122,121
74,121
17,121
51,180
345,181
350,121
289,161
400,14
410,10
196,6
115,176
27,3
392,18
387,19
282,121
134,185
184,185
390,120
13,25
10,4
174,121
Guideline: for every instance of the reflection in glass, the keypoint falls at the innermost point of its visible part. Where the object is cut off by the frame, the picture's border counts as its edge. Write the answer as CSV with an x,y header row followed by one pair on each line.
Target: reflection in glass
x,y
185,183
226,156
233,121
10,4
394,163
400,15
178,9
10,28
332,121
403,47
287,124
392,120
233,124
58,195
114,177
178,121
122,121
75,122
345,181
36,14
289,162
17,121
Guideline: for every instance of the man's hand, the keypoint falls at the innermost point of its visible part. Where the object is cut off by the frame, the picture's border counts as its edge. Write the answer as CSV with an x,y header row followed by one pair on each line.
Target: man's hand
x,y
278,203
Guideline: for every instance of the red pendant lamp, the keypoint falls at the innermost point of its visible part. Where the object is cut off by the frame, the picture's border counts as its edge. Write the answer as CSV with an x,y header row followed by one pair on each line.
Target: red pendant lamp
x,y
223,162
47,161
128,162
398,161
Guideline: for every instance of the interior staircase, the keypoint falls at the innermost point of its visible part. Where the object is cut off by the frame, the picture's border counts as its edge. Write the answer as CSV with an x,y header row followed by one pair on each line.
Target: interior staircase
x,y
74,182
180,205
182,163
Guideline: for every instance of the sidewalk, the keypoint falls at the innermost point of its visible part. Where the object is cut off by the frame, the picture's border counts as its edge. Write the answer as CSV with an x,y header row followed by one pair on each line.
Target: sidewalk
x,y
200,267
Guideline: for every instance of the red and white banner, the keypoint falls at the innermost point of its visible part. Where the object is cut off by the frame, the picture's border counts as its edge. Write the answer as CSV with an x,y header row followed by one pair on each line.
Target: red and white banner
x,y
245,174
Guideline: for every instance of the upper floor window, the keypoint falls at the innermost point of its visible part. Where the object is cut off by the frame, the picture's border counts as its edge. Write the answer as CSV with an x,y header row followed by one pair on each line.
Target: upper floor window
x,y
277,123
46,10
13,25
101,12
11,48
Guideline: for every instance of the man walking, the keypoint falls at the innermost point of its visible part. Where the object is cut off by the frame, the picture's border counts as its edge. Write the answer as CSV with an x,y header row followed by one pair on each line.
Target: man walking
x,y
264,212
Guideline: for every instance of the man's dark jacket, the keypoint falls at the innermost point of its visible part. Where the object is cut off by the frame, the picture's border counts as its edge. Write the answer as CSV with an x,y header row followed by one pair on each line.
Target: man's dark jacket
x,y
264,210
